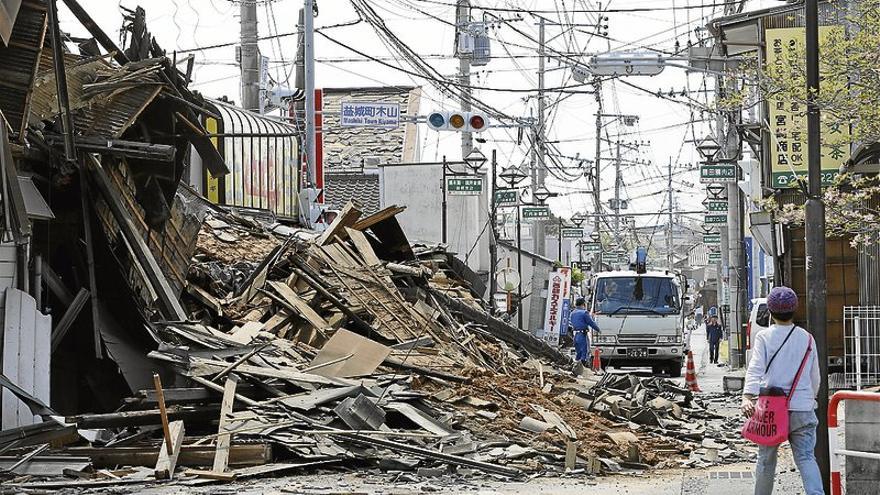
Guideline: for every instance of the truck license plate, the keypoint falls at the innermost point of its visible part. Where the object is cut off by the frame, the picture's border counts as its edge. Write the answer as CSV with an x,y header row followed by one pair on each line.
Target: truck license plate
x,y
640,352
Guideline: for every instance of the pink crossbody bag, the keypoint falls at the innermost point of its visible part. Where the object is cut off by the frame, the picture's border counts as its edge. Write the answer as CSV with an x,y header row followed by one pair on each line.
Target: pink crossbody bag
x,y
769,423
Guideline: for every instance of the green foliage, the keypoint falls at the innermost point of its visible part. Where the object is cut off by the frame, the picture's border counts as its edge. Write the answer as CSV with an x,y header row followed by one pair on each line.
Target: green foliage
x,y
577,276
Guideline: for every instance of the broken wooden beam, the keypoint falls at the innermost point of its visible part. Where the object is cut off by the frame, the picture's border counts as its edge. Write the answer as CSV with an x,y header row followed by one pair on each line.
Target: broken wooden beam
x,y
167,460
240,455
169,305
224,438
69,317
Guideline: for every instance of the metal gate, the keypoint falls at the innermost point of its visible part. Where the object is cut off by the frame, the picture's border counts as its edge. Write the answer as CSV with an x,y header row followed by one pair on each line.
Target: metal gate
x,y
861,345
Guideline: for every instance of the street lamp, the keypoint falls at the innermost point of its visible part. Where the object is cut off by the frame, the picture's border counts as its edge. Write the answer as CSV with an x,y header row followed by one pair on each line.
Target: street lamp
x,y
578,219
709,149
513,175
542,194
475,160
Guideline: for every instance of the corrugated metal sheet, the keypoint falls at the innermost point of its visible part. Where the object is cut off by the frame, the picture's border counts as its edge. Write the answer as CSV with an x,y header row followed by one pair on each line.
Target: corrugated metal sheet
x,y
263,160
44,105
869,269
19,61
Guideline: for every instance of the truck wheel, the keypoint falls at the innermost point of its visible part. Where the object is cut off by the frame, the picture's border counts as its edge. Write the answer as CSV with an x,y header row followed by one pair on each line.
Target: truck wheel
x,y
674,369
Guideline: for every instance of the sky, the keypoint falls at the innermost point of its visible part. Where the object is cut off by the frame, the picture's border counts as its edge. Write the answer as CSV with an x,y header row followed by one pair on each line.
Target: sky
x,y
665,130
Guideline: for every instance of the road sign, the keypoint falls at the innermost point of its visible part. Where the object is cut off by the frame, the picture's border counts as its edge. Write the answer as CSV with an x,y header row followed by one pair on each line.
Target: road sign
x,y
505,197
591,247
716,204
464,186
536,212
714,257
723,172
712,239
369,114
710,219
572,233
507,279
610,257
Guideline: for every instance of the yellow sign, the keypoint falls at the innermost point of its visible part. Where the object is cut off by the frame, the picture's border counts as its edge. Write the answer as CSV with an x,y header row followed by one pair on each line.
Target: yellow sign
x,y
788,116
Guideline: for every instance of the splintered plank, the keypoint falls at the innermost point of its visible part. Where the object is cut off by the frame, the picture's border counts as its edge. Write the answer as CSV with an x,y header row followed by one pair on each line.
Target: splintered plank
x,y
346,218
168,459
377,217
300,306
363,247
224,439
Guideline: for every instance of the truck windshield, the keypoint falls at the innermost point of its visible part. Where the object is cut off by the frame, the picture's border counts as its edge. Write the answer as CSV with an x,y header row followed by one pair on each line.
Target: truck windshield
x,y
636,295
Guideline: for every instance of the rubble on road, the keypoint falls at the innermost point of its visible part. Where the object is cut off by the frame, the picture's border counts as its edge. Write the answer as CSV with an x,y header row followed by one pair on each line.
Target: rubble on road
x,y
345,350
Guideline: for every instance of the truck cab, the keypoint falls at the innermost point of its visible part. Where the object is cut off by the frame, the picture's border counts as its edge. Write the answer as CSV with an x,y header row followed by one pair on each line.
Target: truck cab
x,y
641,319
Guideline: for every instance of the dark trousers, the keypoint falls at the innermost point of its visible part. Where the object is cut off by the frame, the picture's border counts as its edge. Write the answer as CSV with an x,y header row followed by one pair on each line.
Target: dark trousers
x,y
714,345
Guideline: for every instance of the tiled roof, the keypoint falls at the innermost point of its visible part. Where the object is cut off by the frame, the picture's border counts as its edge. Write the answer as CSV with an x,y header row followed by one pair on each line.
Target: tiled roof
x,y
340,187
350,147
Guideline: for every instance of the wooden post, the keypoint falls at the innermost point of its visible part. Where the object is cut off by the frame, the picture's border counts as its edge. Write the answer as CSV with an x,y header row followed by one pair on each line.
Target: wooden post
x,y
168,458
224,439
163,413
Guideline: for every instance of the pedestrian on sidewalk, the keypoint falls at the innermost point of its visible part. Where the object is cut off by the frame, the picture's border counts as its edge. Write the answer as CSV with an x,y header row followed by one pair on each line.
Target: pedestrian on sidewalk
x,y
698,315
582,322
777,354
714,333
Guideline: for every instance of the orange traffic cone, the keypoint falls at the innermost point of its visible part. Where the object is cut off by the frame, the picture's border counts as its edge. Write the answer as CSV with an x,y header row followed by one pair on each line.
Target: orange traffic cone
x,y
597,362
690,379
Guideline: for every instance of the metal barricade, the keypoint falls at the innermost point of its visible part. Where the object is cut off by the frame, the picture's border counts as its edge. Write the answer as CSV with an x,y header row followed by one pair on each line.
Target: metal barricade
x,y
861,346
834,452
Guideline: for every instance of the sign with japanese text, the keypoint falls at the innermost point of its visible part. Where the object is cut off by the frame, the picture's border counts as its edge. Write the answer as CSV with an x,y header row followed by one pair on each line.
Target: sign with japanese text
x,y
717,205
714,257
558,305
787,116
716,173
464,186
572,233
715,219
369,114
712,239
504,197
536,212
591,247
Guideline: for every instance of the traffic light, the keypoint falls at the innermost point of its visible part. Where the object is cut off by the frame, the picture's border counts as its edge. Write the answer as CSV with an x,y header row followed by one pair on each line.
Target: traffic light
x,y
441,120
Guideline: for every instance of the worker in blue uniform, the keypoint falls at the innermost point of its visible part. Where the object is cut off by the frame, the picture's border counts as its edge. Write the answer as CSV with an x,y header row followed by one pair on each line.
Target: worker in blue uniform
x,y
582,322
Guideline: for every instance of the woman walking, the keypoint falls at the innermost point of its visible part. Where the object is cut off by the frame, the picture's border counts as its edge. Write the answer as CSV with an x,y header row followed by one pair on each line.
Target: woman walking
x,y
777,356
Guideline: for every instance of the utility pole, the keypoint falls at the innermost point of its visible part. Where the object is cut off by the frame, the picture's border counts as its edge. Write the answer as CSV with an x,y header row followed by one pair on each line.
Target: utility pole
x,y
309,72
493,241
670,259
815,236
299,77
617,195
597,182
250,56
462,22
539,147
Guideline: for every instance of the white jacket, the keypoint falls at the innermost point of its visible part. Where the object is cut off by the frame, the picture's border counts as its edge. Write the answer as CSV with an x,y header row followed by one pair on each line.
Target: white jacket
x,y
785,366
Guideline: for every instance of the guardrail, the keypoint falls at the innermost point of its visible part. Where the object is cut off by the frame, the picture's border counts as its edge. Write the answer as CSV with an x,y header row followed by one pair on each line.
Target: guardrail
x,y
835,453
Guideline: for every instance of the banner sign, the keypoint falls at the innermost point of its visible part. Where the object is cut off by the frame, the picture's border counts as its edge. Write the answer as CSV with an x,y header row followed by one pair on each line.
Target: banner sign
x,y
369,114
572,233
536,212
464,186
558,305
787,116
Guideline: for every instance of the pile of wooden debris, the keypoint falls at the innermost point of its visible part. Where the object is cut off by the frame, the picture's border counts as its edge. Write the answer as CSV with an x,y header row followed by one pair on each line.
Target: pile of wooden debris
x,y
344,350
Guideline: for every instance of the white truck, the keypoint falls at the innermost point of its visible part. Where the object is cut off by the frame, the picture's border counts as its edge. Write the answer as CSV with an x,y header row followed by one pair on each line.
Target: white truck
x,y
641,319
